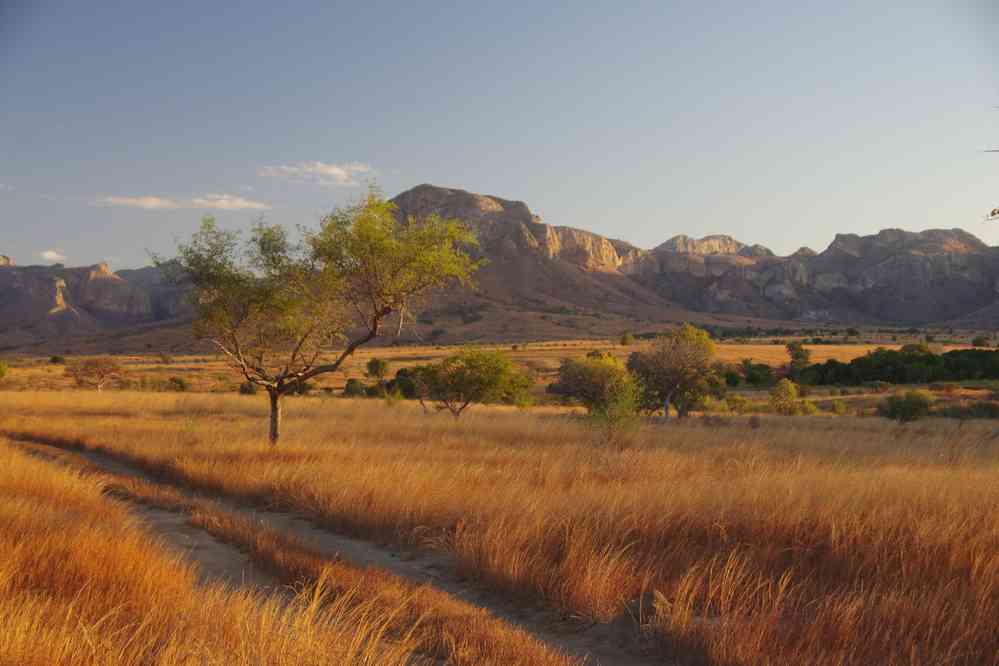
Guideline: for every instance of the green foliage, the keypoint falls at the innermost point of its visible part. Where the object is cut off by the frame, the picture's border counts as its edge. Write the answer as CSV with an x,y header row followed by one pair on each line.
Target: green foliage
x,y
376,369
756,374
275,306
596,381
475,376
248,388
738,404
784,398
839,407
627,338
178,384
980,341
912,364
616,421
4,369
799,358
906,407
678,370
354,388
57,360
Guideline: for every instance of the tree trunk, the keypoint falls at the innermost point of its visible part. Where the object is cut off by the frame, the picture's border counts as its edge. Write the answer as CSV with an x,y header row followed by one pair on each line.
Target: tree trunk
x,y
275,432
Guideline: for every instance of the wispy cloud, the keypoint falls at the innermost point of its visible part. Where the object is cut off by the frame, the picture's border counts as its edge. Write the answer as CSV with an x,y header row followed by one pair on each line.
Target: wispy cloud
x,y
53,256
320,173
147,203
210,201
227,202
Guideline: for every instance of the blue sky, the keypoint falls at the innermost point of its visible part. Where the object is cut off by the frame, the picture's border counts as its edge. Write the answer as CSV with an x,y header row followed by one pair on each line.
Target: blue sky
x,y
782,123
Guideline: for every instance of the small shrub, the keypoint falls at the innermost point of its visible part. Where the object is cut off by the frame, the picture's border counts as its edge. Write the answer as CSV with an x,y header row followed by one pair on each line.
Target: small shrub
x,y
980,341
178,384
165,359
784,397
57,360
354,388
807,408
627,338
839,407
738,404
4,369
879,386
907,407
248,388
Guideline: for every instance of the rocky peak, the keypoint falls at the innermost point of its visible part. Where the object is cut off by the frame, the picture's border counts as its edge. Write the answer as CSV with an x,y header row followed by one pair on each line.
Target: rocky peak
x,y
468,206
714,244
804,252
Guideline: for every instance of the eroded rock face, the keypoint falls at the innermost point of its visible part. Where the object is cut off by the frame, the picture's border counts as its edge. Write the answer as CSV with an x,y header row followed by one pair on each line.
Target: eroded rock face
x,y
40,301
893,276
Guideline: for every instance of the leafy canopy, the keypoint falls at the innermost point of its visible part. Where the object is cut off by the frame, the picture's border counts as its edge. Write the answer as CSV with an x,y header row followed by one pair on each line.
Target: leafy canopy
x,y
474,376
277,307
678,369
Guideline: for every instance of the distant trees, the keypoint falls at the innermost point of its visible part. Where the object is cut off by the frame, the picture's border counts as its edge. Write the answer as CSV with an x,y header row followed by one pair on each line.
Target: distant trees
x,y
678,370
275,308
95,372
376,369
472,376
799,359
912,364
980,341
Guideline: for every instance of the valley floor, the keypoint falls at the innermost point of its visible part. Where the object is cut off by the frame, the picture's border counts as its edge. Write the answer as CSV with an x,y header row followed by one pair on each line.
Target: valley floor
x,y
503,537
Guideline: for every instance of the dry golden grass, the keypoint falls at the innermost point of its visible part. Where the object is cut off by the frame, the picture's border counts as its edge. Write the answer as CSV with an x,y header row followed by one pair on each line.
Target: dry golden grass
x,y
818,541
82,583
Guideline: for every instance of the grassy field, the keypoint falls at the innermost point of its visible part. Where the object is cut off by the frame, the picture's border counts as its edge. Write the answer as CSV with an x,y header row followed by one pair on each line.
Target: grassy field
x,y
81,582
782,540
209,373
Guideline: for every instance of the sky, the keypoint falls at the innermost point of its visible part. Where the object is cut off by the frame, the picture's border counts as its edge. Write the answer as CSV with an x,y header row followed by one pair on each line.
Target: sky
x,y
776,122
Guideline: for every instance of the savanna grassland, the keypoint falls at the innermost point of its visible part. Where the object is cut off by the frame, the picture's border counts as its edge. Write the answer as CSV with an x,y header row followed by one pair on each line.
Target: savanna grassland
x,y
210,373
727,540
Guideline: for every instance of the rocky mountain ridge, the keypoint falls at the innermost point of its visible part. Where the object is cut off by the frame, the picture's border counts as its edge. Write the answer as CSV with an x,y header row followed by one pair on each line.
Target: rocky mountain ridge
x,y
540,279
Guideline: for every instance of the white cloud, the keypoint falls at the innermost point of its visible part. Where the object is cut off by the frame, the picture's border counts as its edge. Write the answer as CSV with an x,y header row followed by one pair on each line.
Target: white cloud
x,y
147,203
53,256
320,173
212,201
227,202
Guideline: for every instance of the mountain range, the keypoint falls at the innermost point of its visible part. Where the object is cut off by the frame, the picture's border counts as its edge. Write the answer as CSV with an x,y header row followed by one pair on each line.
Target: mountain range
x,y
543,281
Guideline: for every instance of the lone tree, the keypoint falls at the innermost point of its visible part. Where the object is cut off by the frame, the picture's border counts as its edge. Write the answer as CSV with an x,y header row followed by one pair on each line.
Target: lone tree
x,y
376,369
799,358
96,372
677,370
784,398
474,376
284,312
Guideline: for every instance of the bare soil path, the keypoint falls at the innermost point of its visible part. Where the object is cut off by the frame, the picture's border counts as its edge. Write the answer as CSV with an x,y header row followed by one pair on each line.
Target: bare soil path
x,y
615,644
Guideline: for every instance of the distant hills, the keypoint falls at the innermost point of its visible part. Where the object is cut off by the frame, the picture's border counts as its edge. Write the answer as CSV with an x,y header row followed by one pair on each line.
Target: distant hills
x,y
544,281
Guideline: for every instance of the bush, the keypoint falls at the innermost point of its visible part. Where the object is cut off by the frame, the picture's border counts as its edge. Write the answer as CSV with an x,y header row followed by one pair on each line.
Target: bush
x,y
980,341
57,360
4,369
738,404
627,338
839,407
784,397
595,381
616,422
248,388
165,359
178,384
910,406
476,376
354,389
982,409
